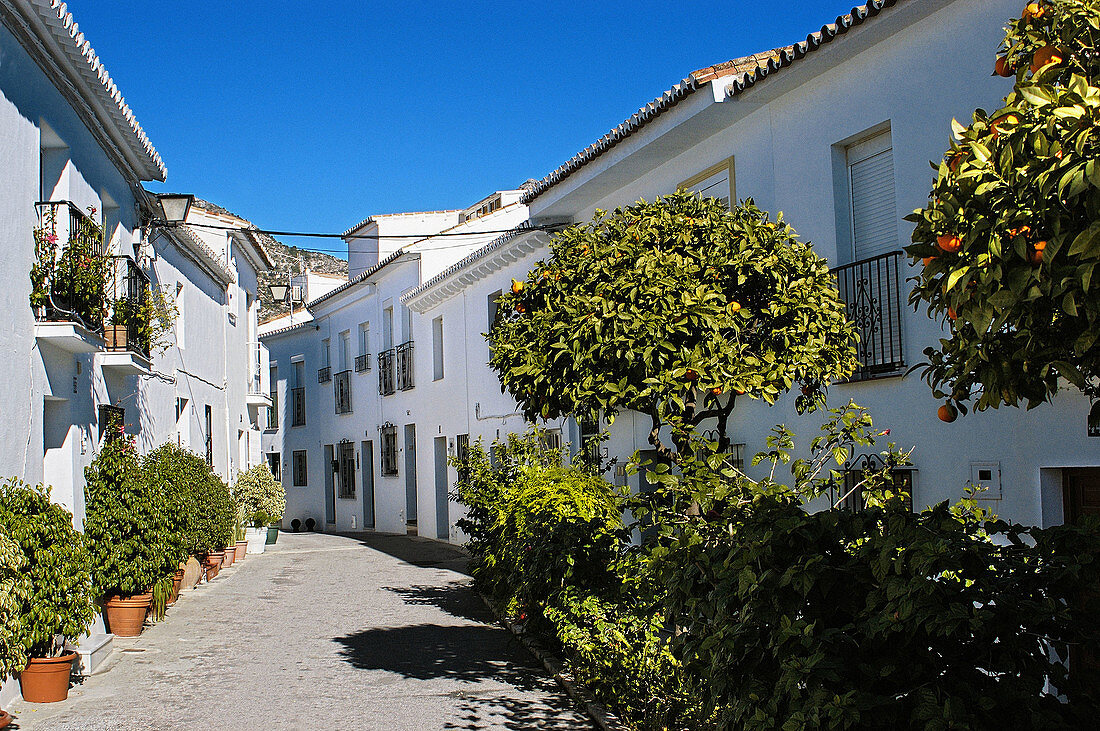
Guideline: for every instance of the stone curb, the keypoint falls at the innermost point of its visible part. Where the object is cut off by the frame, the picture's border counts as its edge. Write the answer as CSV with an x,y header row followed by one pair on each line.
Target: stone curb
x,y
603,718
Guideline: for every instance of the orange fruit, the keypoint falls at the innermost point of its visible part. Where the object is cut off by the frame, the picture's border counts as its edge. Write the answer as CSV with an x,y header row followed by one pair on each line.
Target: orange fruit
x,y
952,314
1001,68
717,390
1035,253
520,308
928,260
947,413
735,306
998,125
950,243
1045,56
517,286
1033,11
691,375
956,159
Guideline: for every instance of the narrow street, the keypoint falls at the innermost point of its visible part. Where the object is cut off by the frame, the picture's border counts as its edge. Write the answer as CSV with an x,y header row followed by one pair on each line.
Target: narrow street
x,y
321,632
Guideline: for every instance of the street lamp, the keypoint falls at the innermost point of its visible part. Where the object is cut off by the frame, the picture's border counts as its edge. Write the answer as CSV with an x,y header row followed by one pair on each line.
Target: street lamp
x,y
278,292
174,206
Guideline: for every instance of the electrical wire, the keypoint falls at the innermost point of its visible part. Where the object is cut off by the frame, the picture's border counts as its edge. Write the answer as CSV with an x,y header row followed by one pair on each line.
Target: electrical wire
x,y
416,237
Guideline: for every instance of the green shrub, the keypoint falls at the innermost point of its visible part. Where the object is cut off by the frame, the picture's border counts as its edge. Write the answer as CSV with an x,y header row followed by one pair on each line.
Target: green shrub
x,y
216,515
260,498
127,525
174,472
59,603
14,591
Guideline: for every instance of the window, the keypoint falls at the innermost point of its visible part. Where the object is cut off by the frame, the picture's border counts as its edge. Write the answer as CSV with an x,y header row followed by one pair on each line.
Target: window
x,y
492,306
324,373
737,456
181,319
112,422
298,395
550,440
275,464
462,451
299,468
714,182
406,323
387,328
209,435
342,389
389,450
182,433
362,361
345,351
386,385
590,445
273,410
345,460
872,208
851,497
437,347
404,353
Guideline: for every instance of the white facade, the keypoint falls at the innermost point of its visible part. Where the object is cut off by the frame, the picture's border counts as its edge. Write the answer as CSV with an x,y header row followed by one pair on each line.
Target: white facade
x,y
342,343
68,139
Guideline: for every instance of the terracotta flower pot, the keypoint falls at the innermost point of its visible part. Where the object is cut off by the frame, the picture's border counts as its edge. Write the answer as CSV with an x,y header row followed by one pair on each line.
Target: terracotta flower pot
x,y
46,679
5,718
126,615
177,581
241,549
213,564
229,554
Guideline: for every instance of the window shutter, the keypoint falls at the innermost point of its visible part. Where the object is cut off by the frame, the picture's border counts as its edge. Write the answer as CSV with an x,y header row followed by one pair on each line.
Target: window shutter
x,y
874,207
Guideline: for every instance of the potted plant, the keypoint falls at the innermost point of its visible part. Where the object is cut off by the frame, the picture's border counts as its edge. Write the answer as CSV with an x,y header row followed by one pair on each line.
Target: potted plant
x,y
258,492
240,546
14,590
57,606
215,522
173,471
256,532
128,532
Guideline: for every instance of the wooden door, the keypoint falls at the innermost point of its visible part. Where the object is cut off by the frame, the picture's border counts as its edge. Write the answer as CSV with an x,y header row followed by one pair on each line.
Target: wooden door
x,y
1082,498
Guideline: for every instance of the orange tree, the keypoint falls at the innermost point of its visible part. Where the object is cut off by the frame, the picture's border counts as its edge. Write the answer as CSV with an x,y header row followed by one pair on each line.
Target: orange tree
x,y
671,309
1010,240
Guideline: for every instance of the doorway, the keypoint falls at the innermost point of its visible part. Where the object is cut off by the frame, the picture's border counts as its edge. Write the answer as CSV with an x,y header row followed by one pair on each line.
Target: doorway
x,y
367,457
330,486
1081,498
442,501
410,476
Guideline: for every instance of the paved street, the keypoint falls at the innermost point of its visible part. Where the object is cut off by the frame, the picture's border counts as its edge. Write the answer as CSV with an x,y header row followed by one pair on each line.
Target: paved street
x,y
323,632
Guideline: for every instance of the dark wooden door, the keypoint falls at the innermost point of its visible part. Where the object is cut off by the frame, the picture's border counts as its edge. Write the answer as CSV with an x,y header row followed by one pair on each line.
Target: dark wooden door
x,y
1082,498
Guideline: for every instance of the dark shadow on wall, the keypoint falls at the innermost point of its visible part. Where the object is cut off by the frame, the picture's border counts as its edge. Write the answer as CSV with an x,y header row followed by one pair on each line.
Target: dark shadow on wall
x,y
457,599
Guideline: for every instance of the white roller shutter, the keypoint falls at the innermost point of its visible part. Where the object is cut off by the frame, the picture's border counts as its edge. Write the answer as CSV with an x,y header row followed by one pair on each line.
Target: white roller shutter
x,y
874,208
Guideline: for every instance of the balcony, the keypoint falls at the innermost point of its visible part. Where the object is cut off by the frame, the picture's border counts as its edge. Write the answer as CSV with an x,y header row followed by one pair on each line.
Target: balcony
x,y
258,391
273,411
385,373
68,278
297,407
128,333
362,363
324,375
405,366
871,289
342,387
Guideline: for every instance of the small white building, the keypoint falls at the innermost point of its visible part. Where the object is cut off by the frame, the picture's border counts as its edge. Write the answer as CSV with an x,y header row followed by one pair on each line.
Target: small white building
x,y
355,435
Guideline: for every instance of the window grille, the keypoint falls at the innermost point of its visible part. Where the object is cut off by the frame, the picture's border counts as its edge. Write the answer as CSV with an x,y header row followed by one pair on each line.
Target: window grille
x,y
112,422
275,464
405,366
324,375
389,450
300,472
362,363
871,291
847,493
346,461
342,387
298,398
386,385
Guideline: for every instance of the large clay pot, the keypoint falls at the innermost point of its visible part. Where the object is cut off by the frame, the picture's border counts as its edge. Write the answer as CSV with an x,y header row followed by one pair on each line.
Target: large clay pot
x,y
5,718
213,564
272,534
46,679
256,539
126,615
177,582
241,548
229,553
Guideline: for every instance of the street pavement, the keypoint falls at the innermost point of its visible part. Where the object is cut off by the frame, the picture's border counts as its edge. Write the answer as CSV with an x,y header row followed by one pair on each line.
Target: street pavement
x,y
321,632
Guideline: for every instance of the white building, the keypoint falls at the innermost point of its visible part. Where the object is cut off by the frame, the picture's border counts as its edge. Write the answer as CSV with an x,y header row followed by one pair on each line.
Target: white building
x,y
355,437
72,161
301,288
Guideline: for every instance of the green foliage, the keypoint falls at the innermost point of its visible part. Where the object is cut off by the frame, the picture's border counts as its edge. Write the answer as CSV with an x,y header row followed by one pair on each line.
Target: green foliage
x,y
59,602
216,515
130,533
1020,188
152,317
669,308
15,590
174,473
259,497
72,283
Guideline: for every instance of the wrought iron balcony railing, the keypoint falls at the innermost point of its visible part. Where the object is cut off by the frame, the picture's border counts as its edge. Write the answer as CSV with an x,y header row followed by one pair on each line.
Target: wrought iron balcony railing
x,y
324,375
362,363
256,363
871,289
342,388
298,407
405,366
273,410
70,274
128,291
386,385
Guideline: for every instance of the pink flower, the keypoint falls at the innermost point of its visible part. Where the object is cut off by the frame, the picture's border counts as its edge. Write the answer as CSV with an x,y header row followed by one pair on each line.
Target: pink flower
x,y
52,238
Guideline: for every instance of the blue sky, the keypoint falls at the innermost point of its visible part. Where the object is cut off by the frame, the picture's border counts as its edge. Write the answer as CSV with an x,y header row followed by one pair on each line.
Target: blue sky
x,y
312,115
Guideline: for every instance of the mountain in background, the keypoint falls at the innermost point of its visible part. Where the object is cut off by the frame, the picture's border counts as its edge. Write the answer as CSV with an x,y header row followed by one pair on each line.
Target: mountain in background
x,y
292,259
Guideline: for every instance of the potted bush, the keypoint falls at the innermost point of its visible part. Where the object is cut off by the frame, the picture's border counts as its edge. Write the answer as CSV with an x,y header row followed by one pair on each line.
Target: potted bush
x,y
173,471
256,532
57,605
258,494
14,590
240,547
128,533
215,516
